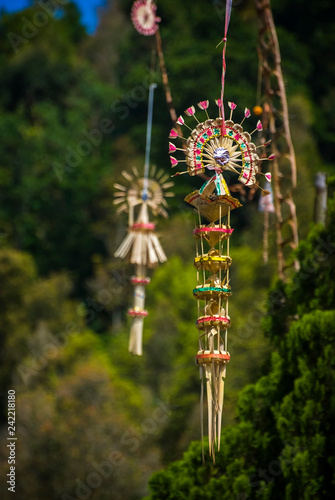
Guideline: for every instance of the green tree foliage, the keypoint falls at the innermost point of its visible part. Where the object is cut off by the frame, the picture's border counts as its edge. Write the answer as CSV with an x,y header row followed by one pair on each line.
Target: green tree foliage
x,y
50,179
283,445
17,271
316,66
82,428
36,316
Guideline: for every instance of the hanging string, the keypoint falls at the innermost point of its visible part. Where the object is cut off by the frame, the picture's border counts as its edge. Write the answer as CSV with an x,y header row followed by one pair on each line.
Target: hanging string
x,y
149,121
148,142
153,63
227,19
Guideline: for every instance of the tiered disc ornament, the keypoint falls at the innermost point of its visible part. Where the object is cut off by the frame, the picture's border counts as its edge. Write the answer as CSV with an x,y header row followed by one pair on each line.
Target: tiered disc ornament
x,y
217,146
143,15
141,246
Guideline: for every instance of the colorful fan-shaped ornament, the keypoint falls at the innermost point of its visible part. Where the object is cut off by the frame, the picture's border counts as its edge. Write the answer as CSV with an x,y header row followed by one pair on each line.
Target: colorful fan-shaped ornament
x,y
143,15
215,146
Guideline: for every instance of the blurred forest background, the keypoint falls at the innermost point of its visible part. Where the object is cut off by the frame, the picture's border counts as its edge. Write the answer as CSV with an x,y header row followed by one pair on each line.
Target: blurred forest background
x,y
93,421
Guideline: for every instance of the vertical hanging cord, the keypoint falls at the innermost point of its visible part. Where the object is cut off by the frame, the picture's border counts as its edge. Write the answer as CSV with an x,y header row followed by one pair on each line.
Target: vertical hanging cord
x,y
148,142
228,12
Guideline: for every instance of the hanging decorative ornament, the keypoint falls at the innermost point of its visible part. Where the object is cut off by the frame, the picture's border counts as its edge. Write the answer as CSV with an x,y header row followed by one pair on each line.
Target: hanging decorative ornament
x,y
141,246
265,203
266,206
222,147
143,15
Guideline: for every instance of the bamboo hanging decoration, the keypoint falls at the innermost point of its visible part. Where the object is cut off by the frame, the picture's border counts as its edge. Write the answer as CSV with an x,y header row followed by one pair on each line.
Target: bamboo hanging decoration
x,y
141,246
219,146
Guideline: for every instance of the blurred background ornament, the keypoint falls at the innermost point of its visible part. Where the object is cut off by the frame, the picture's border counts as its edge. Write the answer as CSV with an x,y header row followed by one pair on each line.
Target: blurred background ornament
x,y
266,206
143,15
141,246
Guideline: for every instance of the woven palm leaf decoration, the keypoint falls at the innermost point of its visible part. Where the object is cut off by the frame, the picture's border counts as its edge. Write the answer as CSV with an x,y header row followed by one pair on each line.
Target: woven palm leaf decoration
x,y
141,246
222,149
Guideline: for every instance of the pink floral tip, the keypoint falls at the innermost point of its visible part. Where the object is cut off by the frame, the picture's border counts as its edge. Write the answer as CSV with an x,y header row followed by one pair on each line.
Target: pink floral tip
x,y
272,157
203,104
267,143
180,121
259,126
232,105
174,162
268,176
219,103
190,111
173,133
247,112
172,147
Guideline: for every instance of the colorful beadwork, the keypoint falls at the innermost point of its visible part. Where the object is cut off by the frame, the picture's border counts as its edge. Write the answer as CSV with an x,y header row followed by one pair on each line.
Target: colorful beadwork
x,y
207,147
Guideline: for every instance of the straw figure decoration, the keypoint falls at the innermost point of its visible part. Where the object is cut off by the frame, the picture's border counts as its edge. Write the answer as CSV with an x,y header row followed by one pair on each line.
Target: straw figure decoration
x,y
220,147
141,246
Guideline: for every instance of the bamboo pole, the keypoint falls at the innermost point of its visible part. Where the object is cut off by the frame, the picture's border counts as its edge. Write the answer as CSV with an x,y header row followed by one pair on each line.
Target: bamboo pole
x,y
276,122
